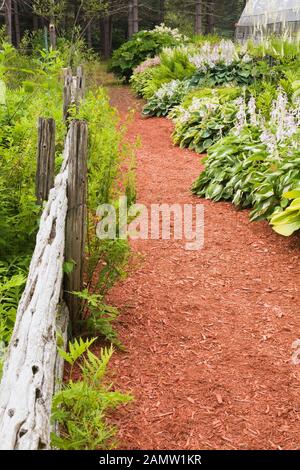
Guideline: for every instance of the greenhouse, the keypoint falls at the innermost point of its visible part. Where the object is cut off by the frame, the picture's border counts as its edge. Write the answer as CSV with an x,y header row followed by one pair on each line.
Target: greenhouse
x,y
272,17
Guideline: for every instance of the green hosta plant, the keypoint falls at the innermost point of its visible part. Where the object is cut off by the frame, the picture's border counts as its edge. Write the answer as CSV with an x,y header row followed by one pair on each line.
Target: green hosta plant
x,y
166,98
204,123
230,167
239,73
281,177
288,222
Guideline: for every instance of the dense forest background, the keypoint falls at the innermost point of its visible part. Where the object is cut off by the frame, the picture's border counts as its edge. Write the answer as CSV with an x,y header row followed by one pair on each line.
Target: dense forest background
x,y
106,24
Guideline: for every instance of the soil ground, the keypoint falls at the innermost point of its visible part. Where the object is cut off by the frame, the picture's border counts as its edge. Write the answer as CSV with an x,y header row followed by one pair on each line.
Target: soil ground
x,y
208,333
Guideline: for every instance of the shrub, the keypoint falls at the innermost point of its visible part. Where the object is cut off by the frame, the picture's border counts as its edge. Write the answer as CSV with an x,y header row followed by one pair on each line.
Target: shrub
x,y
143,45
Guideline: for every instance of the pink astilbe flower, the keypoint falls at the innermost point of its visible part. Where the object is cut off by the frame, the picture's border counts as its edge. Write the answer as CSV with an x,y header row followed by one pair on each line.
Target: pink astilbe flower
x,y
151,62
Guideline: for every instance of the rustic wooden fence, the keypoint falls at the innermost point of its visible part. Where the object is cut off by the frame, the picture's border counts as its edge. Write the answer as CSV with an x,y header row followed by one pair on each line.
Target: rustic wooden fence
x,y
33,370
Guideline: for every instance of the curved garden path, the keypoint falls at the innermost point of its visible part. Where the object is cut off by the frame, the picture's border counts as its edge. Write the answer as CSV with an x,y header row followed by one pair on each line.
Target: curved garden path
x,y
208,333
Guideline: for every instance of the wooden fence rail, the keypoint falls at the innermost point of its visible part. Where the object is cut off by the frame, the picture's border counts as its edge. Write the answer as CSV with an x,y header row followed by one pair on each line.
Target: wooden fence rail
x,y
33,370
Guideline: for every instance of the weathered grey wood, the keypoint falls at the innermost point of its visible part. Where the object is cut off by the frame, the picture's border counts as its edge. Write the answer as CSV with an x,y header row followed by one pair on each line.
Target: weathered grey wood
x,y
52,34
74,87
80,84
67,73
27,384
198,17
62,322
76,217
45,159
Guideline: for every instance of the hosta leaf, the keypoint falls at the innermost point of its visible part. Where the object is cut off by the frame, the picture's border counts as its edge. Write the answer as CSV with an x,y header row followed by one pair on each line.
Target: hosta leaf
x,y
287,229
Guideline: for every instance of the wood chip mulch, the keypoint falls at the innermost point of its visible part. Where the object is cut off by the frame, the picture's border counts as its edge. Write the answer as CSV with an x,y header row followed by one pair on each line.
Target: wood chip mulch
x,y
208,333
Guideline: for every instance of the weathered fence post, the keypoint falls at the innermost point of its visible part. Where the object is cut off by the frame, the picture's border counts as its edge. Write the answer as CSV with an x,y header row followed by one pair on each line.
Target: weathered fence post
x,y
80,84
73,89
76,216
67,74
45,159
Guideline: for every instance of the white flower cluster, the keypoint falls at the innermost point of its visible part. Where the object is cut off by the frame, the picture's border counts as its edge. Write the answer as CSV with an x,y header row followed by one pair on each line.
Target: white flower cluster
x,y
167,90
151,62
241,117
210,55
163,29
284,124
283,118
202,106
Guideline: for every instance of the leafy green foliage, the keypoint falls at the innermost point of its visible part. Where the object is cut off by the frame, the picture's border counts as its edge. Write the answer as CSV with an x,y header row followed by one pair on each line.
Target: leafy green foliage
x,y
80,408
205,125
111,172
76,350
143,84
100,317
280,177
142,45
29,89
238,73
287,222
10,292
239,169
167,97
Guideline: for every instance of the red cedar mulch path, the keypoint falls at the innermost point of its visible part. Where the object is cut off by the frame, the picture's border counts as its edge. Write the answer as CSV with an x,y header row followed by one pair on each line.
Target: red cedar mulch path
x,y
208,333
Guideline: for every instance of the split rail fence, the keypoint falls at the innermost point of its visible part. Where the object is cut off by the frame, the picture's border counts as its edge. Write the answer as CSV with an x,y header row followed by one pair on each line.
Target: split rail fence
x,y
33,370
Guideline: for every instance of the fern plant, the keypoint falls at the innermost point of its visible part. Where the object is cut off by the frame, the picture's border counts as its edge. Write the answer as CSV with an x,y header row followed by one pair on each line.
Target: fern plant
x,y
80,408
99,317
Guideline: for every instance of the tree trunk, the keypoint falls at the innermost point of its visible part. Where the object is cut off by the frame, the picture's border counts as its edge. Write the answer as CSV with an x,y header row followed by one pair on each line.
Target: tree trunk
x,y
198,17
106,36
162,11
130,18
135,18
8,20
89,34
210,17
35,22
52,34
17,23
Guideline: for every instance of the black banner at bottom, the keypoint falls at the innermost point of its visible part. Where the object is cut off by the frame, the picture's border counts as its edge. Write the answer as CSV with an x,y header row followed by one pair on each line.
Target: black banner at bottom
x,y
144,459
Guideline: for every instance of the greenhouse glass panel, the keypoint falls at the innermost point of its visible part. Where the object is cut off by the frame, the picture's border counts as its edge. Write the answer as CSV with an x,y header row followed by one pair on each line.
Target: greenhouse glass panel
x,y
269,15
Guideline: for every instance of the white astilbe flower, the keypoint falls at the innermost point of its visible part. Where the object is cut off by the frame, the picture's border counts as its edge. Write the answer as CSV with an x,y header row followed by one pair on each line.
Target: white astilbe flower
x,y
163,29
170,89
